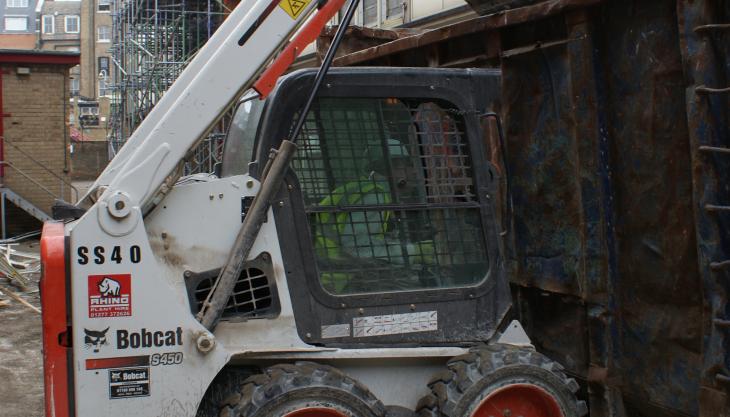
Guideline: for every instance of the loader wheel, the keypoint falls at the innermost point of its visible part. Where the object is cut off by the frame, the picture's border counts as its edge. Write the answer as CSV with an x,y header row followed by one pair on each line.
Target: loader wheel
x,y
302,390
502,381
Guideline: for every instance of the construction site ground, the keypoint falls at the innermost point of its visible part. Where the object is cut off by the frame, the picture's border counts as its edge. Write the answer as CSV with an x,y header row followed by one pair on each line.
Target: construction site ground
x,y
21,365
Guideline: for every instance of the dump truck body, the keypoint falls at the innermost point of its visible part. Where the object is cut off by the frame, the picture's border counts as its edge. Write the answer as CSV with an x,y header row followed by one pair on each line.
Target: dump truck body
x,y
616,117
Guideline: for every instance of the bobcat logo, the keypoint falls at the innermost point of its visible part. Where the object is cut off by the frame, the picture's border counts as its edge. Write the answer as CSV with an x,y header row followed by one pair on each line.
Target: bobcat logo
x,y
95,339
116,375
108,287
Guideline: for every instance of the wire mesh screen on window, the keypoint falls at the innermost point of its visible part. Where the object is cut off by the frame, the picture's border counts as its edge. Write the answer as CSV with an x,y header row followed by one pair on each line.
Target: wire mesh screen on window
x,y
389,194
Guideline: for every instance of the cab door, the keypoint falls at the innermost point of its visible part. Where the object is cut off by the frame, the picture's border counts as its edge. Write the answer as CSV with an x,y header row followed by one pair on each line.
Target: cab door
x,y
386,220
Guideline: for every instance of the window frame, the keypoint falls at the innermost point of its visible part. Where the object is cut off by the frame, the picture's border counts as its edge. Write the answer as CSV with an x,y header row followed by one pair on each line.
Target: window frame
x,y
106,3
44,25
98,34
398,15
24,4
382,19
266,140
68,18
74,81
104,76
376,23
8,17
402,204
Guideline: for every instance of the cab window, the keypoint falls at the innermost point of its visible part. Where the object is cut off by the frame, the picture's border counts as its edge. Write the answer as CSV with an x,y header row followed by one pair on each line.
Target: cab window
x,y
239,143
390,196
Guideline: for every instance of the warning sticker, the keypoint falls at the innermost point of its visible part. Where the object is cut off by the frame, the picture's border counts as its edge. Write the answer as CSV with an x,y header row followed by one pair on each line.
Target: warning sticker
x,y
294,7
129,382
426,321
110,295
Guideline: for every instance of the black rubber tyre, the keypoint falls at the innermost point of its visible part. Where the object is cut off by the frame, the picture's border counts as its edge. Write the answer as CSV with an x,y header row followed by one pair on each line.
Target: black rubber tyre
x,y
470,378
226,384
285,388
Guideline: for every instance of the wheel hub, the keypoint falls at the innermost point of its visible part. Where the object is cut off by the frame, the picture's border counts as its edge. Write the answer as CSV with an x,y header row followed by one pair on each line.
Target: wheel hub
x,y
518,400
316,412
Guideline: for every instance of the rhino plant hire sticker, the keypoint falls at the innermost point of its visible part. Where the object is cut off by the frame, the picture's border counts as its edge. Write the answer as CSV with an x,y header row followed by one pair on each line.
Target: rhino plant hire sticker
x,y
110,295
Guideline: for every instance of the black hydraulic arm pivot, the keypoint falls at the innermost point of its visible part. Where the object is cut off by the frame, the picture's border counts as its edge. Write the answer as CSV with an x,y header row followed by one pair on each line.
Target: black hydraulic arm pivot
x,y
272,177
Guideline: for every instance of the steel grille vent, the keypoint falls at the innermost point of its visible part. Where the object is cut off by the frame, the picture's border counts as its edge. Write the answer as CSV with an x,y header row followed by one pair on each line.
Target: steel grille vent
x,y
254,295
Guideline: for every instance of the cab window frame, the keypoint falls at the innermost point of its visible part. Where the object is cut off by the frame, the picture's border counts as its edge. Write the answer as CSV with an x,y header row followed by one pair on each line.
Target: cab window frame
x,y
289,214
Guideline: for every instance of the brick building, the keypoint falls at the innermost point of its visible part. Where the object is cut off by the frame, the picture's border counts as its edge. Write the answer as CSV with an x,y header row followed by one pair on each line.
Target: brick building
x,y
60,30
18,24
34,103
95,87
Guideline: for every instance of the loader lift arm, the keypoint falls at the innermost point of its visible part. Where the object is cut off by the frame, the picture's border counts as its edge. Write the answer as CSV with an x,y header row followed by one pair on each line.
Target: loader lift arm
x,y
240,49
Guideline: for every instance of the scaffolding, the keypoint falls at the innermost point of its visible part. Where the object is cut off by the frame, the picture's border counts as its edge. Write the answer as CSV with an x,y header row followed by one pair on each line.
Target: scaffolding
x,y
152,42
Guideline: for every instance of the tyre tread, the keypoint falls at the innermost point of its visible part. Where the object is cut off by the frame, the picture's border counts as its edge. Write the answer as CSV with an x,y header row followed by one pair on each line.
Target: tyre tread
x,y
449,387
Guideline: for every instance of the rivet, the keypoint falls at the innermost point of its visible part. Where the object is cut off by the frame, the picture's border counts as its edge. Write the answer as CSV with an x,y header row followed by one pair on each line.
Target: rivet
x,y
220,195
309,335
281,204
343,305
412,307
507,412
211,196
360,311
290,187
249,184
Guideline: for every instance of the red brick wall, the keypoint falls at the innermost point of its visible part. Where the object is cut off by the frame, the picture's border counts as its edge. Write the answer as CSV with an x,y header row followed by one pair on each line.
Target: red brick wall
x,y
17,41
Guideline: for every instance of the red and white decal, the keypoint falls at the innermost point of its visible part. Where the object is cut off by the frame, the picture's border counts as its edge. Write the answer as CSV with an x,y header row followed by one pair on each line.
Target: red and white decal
x,y
110,295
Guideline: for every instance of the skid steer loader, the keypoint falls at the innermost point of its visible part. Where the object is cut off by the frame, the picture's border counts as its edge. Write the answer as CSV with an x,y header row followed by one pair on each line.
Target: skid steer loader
x,y
358,273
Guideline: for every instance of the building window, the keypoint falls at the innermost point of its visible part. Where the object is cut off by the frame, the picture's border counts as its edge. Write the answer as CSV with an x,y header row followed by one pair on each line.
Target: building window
x,y
103,34
17,3
103,66
74,86
370,12
104,5
18,23
394,8
89,114
72,24
104,87
48,24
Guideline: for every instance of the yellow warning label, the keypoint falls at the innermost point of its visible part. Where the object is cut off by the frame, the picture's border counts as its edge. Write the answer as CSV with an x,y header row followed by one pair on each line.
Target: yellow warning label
x,y
294,7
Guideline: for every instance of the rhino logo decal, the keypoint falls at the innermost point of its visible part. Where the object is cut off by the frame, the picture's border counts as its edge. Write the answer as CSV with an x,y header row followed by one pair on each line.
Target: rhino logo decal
x,y
108,287
95,339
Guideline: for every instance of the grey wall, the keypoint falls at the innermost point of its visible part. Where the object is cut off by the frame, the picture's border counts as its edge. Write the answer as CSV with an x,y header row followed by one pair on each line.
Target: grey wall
x,y
29,12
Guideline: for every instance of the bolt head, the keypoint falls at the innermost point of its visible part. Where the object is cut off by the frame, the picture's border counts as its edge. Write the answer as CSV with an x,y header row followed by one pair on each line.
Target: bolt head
x,y
205,342
119,205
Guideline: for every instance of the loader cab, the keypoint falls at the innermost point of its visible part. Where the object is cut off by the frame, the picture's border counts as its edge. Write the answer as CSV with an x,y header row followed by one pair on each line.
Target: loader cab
x,y
386,218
